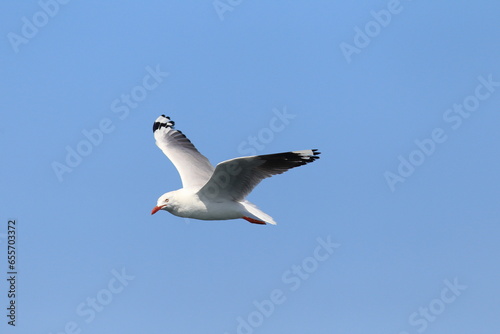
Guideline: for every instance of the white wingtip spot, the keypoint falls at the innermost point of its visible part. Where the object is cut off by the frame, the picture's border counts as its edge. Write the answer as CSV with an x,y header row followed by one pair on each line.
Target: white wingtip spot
x,y
308,154
163,122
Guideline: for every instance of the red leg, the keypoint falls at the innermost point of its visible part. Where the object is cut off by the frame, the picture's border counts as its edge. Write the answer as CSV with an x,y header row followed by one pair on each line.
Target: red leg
x,y
254,221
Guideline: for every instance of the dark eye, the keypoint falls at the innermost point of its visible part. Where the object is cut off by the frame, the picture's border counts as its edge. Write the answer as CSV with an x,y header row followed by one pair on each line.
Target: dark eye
x,y
166,200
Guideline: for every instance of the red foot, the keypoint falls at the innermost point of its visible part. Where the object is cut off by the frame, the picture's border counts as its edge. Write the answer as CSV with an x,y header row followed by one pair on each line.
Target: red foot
x,y
254,221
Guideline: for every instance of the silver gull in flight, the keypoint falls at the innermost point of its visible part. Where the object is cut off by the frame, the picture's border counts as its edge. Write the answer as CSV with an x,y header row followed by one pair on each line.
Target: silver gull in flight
x,y
218,193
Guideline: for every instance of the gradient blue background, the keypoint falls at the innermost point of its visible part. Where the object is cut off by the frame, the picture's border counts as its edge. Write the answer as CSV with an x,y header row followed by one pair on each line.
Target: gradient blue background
x,y
226,77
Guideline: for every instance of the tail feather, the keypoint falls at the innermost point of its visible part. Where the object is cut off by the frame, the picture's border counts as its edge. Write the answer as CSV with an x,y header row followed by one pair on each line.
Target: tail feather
x,y
256,213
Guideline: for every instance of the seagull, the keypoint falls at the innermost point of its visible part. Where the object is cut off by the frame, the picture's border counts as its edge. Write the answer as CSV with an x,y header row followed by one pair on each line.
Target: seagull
x,y
218,193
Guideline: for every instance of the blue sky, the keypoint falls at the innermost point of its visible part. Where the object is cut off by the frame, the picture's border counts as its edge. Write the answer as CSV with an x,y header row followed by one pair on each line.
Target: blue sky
x,y
394,230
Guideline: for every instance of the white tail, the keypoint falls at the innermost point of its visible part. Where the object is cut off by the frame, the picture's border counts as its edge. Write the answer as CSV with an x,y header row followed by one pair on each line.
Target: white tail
x,y
257,213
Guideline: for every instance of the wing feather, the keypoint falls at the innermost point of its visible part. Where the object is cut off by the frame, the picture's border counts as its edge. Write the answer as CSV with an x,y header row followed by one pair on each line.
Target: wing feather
x,y
193,167
234,179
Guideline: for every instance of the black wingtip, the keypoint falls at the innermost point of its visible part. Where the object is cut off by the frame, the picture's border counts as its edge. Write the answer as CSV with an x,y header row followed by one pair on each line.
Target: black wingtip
x,y
166,123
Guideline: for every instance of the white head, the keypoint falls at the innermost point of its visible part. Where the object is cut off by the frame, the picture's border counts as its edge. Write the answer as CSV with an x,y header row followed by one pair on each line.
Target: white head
x,y
164,202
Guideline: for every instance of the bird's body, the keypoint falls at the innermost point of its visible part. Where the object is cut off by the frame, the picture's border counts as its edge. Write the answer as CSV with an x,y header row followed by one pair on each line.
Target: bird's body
x,y
218,193
188,203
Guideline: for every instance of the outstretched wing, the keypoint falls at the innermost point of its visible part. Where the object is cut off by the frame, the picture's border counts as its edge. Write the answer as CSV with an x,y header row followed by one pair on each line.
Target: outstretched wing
x,y
193,167
234,179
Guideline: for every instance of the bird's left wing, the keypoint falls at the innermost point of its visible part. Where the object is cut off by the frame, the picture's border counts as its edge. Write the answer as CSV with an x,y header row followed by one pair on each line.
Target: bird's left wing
x,y
193,167
234,179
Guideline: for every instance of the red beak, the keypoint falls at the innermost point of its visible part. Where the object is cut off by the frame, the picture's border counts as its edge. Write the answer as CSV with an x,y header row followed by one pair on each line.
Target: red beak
x,y
156,209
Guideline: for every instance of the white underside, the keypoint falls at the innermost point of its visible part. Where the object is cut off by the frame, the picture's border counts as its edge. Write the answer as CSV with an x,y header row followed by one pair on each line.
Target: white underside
x,y
188,205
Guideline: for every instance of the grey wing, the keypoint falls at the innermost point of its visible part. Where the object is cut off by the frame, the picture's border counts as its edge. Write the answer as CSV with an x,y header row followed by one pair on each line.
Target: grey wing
x,y
234,179
193,167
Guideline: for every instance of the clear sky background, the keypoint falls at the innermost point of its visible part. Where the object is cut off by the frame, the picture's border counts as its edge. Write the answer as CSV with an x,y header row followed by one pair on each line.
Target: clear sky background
x,y
411,257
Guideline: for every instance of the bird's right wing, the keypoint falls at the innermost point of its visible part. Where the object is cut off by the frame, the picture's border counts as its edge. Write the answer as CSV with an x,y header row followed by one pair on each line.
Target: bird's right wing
x,y
234,179
193,167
